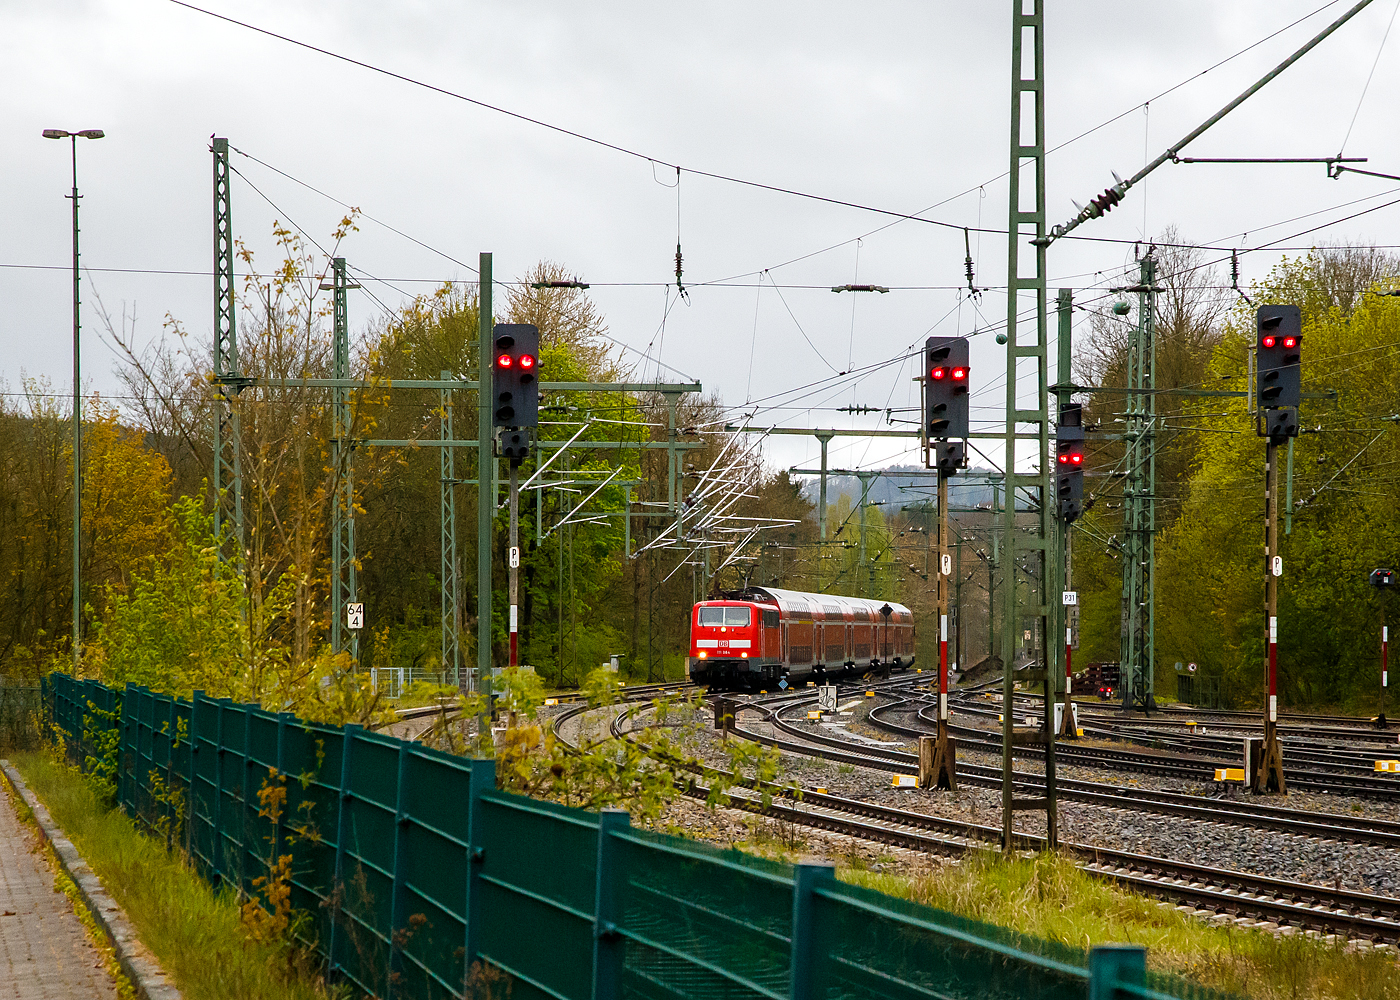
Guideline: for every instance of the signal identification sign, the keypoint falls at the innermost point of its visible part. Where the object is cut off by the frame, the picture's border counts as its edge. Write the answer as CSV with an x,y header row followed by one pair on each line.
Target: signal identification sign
x,y
355,616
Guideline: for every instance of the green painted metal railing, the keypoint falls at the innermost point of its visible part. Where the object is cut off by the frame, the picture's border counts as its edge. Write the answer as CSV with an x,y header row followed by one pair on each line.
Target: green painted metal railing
x,y
416,878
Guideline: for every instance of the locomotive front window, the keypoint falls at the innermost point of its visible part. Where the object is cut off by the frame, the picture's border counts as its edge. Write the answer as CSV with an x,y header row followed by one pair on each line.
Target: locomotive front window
x,y
741,617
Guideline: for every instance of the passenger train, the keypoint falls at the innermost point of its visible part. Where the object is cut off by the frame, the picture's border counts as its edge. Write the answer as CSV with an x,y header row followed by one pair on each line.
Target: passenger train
x,y
762,636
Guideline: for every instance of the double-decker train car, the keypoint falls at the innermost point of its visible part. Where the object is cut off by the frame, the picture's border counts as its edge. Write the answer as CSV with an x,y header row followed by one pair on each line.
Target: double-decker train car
x,y
762,636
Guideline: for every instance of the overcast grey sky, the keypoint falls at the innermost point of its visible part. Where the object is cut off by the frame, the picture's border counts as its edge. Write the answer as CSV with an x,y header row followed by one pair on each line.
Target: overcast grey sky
x,y
897,105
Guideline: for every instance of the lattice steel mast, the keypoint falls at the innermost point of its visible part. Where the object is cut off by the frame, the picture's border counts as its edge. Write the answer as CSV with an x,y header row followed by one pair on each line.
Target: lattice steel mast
x,y
451,619
344,586
228,380
1027,219
1137,646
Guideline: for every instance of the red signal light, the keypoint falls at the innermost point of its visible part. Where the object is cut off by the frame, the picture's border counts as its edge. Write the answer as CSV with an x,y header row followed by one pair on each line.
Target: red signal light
x,y
1064,459
959,373
1290,341
1077,459
1269,341
526,361
939,373
504,361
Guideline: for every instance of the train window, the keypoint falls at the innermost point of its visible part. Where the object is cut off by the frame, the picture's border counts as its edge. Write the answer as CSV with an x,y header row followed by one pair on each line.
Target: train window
x,y
712,616
770,619
738,616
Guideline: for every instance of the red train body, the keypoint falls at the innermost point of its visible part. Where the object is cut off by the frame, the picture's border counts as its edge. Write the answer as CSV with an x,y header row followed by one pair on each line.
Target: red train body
x,y
764,636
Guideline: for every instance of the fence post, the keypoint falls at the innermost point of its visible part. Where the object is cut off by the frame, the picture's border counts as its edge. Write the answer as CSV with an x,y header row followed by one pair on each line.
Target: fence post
x,y
608,948
803,979
217,848
128,748
172,733
483,780
350,731
1111,964
396,917
246,798
190,790
279,834
139,777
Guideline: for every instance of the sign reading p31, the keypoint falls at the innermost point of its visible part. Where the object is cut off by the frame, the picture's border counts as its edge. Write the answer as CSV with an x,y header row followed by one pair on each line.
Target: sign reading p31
x,y
946,373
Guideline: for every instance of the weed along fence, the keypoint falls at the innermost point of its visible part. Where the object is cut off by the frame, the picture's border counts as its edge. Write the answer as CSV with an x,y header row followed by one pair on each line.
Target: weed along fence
x,y
416,878
19,714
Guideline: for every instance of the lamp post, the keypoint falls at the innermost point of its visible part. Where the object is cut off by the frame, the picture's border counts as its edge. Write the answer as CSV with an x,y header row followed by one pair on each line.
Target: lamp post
x,y
87,133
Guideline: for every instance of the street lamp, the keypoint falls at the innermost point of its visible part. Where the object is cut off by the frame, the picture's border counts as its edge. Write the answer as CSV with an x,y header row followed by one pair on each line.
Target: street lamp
x,y
87,133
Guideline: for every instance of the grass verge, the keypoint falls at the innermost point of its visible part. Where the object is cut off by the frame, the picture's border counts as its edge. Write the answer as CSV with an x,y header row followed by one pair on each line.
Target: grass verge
x,y
1050,898
194,931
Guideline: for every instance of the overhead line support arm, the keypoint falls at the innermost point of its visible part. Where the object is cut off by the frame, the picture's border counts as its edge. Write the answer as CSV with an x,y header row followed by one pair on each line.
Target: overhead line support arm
x,y
1112,196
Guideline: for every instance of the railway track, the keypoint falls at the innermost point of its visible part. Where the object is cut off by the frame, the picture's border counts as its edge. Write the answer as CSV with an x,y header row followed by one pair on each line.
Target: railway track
x,y
1348,776
1207,889
1329,746
1321,826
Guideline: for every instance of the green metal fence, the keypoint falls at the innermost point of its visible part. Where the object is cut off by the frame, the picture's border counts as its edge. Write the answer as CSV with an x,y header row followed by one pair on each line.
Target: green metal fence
x,y
416,878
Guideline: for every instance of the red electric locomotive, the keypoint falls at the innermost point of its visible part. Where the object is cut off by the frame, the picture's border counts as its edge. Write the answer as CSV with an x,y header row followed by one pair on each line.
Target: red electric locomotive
x,y
762,636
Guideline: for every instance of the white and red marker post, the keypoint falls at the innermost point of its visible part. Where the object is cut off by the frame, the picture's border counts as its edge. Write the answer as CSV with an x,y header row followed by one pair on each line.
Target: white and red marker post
x,y
1268,777
942,768
513,561
1385,671
943,668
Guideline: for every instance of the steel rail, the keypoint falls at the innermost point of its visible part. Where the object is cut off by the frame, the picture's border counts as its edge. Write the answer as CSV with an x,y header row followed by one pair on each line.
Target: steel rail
x,y
1354,914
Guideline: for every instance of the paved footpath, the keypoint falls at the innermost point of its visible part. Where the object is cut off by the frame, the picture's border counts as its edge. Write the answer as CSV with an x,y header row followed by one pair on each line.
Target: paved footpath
x,y
44,952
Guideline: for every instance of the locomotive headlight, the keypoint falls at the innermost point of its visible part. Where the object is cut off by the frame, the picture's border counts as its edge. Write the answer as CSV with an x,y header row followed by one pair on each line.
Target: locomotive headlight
x,y
703,654
744,655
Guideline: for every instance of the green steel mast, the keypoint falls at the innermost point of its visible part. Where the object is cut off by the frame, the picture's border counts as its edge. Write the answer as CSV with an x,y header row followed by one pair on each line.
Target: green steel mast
x,y
1026,221
344,586
1140,499
228,380
485,478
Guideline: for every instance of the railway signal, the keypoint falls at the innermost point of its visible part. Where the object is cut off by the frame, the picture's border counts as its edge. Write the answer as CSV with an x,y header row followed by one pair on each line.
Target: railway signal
x,y
515,368
516,384
946,392
1069,463
950,457
947,374
1280,353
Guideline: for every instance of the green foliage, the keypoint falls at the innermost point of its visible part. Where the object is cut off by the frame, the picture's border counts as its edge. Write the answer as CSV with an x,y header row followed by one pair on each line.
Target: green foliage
x,y
1048,897
188,625
843,572
1210,568
518,691
421,693
601,687
103,730
641,774
193,929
